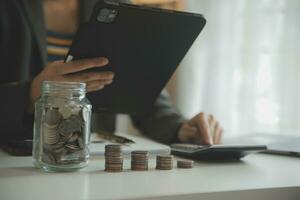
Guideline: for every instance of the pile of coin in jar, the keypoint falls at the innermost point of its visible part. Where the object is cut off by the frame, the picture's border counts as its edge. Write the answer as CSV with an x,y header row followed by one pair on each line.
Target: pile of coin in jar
x,y
63,136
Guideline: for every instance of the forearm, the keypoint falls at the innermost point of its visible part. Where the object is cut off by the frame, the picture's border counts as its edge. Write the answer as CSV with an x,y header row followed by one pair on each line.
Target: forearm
x,y
162,123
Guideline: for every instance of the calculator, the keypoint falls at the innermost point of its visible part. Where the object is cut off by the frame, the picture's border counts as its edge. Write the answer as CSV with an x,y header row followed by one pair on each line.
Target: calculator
x,y
215,152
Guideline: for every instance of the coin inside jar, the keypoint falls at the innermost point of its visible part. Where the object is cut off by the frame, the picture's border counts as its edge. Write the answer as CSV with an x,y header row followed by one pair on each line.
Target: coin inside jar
x,y
70,125
51,135
52,116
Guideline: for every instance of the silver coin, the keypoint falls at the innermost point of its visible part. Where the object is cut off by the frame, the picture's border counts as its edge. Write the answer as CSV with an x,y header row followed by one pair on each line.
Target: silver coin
x,y
80,143
48,126
76,119
73,138
64,139
65,111
50,135
52,116
72,145
48,158
57,149
70,126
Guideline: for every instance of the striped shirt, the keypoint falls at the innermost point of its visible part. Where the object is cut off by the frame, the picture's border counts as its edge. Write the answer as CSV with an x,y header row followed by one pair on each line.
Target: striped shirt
x,y
58,45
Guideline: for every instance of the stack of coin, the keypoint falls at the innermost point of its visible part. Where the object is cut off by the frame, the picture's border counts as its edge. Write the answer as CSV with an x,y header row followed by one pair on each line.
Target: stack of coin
x,y
139,160
164,162
113,158
51,136
52,120
185,164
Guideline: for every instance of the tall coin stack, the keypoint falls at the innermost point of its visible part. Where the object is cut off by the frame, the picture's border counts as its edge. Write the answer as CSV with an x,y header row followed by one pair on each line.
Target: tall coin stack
x,y
113,158
139,160
164,162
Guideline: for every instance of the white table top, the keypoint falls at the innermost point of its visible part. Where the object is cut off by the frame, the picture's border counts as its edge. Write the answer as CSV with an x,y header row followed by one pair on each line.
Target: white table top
x,y
256,177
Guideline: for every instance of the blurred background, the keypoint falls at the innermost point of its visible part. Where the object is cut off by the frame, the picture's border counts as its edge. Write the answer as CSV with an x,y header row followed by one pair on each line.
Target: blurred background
x,y
244,67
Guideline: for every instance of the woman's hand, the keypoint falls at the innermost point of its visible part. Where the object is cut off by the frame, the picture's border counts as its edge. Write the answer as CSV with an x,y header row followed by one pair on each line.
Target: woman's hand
x,y
201,129
60,71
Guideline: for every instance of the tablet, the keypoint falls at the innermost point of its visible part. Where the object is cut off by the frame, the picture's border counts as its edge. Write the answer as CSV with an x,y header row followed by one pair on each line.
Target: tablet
x,y
215,152
144,45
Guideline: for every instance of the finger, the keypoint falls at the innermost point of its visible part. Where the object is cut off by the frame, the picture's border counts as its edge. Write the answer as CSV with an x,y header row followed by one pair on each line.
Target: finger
x,y
193,135
220,136
188,134
218,133
83,64
97,85
95,88
108,82
91,76
212,124
201,122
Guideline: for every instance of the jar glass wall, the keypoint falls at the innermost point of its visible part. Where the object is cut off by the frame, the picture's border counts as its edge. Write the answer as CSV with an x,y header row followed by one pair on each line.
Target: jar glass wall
x,y
62,127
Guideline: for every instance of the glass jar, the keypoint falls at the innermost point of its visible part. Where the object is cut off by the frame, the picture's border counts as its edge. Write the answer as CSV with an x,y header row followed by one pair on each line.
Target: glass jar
x,y
62,127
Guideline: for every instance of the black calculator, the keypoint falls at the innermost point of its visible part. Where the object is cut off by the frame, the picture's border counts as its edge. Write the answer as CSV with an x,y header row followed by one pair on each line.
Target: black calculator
x,y
215,152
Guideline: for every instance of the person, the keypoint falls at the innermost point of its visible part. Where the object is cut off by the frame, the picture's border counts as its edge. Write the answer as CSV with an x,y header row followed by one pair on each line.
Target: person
x,y
34,39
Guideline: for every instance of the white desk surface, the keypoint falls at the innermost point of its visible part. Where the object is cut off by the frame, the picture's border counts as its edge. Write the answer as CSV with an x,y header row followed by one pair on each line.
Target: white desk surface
x,y
256,177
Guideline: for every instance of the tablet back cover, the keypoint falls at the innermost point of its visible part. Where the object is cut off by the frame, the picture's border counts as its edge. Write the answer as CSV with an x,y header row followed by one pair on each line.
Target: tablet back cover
x,y
144,46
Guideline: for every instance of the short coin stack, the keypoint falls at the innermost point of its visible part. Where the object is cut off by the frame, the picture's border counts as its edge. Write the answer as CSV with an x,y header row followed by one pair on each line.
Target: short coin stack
x,y
139,160
185,164
113,158
164,162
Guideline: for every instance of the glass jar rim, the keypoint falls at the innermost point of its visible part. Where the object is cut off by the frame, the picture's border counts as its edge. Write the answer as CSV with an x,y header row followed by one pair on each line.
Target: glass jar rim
x,y
55,86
